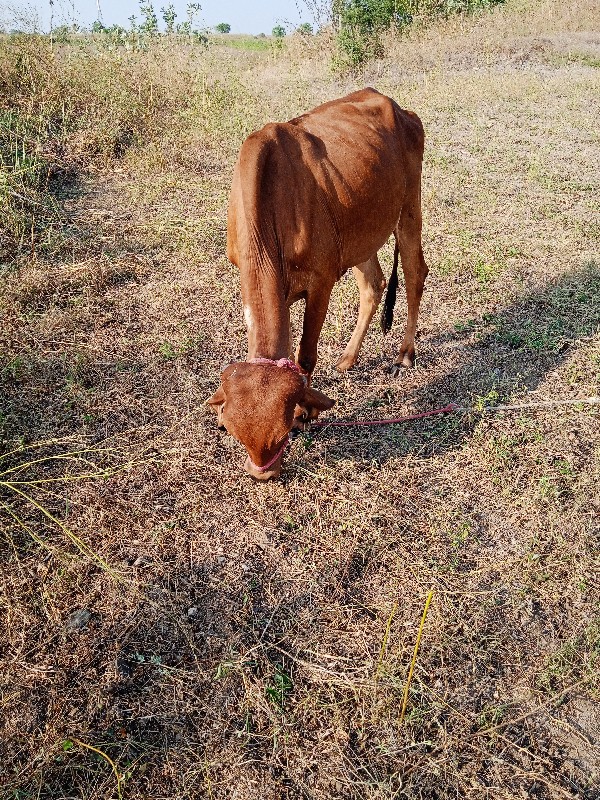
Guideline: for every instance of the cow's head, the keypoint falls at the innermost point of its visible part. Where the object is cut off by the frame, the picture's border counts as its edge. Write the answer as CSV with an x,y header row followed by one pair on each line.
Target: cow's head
x,y
259,404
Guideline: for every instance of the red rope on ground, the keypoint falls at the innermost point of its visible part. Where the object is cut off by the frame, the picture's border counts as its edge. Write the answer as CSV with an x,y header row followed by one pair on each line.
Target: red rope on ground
x,y
352,423
592,401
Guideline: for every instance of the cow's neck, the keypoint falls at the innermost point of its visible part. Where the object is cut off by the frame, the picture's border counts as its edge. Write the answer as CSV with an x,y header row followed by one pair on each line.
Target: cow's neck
x,y
266,314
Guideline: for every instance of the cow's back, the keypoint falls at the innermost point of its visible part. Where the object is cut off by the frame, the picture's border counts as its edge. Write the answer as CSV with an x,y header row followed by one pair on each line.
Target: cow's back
x,y
325,189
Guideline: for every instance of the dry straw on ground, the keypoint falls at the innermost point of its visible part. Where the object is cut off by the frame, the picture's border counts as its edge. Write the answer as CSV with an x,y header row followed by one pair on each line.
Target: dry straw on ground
x,y
219,639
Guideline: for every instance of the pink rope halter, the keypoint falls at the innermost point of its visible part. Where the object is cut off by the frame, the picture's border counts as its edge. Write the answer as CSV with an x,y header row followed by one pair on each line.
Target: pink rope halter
x,y
273,460
283,363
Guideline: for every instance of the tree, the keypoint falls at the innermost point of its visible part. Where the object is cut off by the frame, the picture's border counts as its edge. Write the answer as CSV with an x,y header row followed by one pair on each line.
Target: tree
x,y
169,15
223,27
192,10
305,29
278,31
150,24
187,28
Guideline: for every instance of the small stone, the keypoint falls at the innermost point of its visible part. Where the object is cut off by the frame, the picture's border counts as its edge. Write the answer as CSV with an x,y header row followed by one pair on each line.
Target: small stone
x,y
193,611
78,619
221,560
142,561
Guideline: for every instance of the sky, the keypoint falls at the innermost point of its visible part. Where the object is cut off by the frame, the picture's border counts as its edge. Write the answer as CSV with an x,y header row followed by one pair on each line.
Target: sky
x,y
244,16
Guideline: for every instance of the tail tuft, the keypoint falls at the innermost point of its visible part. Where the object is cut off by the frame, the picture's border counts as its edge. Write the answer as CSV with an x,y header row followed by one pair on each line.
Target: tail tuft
x,y
387,313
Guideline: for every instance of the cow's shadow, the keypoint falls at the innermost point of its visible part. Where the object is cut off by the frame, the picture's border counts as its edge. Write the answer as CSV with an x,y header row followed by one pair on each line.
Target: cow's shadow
x,y
499,356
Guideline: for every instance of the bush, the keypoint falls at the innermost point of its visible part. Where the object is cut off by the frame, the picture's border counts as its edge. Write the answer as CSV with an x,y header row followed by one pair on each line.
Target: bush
x,y
278,31
62,34
360,23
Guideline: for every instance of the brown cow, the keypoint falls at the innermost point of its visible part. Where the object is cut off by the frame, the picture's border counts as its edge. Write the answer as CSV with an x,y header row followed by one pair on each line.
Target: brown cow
x,y
311,198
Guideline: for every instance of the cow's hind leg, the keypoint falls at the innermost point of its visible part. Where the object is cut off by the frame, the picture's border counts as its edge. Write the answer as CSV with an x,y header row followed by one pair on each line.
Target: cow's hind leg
x,y
408,237
371,284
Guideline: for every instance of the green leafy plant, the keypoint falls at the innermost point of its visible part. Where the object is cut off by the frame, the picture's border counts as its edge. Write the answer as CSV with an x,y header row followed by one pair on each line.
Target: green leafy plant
x,y
281,686
187,28
149,26
167,351
360,24
169,15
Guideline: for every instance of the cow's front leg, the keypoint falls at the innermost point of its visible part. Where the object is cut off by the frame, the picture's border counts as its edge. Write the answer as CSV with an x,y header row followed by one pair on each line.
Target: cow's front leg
x,y
371,284
314,317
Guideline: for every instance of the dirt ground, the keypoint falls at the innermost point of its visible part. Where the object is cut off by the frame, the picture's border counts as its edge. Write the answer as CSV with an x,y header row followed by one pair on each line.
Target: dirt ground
x,y
171,629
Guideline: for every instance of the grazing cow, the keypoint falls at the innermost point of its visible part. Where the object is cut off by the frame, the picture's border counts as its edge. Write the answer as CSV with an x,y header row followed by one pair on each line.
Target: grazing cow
x,y
311,198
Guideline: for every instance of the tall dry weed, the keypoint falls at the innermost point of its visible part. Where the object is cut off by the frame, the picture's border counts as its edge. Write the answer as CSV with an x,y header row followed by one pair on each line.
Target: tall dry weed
x,y
64,109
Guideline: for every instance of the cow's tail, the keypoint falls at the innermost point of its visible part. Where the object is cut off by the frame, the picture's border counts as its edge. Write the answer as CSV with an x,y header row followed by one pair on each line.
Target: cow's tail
x,y
387,313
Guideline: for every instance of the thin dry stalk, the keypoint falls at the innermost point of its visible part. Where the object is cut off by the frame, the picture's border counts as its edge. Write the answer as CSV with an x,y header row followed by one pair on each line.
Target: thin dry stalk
x,y
414,656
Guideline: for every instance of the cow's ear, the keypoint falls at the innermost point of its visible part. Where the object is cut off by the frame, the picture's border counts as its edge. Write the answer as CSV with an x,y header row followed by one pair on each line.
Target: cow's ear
x,y
217,400
317,400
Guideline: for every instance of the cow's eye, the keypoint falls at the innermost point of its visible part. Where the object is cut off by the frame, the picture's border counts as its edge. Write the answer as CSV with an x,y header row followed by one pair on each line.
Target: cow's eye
x,y
304,416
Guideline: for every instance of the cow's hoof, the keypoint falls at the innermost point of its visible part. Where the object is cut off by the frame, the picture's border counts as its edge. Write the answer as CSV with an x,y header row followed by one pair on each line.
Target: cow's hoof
x,y
399,367
345,363
405,360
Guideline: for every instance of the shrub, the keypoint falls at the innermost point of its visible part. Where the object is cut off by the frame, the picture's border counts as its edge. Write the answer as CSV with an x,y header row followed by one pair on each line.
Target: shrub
x,y
360,22
149,26
169,16
62,34
278,31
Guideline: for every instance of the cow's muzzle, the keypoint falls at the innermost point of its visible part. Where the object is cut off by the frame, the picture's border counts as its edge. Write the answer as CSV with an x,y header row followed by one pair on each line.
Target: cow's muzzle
x,y
272,472
271,469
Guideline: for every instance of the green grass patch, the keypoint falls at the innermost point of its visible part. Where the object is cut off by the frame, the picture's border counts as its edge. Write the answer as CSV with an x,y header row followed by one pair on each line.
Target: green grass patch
x,y
578,657
253,43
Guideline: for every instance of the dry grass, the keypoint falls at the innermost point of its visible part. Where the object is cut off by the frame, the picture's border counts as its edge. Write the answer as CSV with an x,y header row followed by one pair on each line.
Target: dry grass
x,y
248,641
